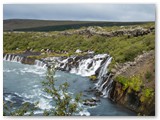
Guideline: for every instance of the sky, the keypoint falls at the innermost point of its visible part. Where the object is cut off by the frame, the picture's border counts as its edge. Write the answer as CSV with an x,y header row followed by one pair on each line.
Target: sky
x,y
81,12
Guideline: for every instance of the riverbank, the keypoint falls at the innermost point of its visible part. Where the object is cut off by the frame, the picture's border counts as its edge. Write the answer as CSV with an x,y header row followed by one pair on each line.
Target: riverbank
x,y
118,59
134,84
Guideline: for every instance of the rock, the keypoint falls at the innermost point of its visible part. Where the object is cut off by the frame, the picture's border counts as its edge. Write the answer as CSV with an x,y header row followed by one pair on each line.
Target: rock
x,y
91,102
113,70
89,31
70,60
90,65
77,58
97,71
78,51
90,52
29,61
93,77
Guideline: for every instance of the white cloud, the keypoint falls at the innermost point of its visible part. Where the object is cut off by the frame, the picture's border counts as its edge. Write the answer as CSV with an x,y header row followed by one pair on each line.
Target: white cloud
x,y
111,12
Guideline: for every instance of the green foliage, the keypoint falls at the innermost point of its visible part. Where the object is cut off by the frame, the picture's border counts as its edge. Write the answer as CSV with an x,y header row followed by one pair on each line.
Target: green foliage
x,y
121,48
21,111
65,104
133,82
147,93
92,77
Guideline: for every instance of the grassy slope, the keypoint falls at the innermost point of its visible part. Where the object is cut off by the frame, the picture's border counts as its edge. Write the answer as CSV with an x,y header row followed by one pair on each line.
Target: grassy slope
x,y
121,48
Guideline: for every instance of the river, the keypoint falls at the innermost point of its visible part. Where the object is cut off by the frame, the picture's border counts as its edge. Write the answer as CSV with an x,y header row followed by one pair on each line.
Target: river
x,y
22,83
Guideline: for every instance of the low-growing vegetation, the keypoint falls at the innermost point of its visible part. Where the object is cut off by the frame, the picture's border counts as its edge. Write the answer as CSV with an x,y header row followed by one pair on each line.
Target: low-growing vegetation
x,y
133,82
93,77
121,48
147,93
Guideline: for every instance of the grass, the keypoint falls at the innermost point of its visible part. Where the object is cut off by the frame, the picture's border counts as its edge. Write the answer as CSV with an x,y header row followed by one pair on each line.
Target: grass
x,y
122,48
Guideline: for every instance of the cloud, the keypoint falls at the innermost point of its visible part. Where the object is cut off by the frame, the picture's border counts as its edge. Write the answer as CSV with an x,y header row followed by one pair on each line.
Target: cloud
x,y
107,12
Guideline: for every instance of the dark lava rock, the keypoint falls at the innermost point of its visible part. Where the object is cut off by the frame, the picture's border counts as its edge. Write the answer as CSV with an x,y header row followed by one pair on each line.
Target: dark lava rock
x,y
29,61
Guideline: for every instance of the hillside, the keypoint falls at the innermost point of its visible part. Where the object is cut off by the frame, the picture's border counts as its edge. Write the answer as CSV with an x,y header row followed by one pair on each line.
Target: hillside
x,y
132,48
134,84
98,39
53,25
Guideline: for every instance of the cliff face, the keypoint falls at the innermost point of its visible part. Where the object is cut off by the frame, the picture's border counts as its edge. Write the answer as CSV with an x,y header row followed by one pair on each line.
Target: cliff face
x,y
132,100
140,99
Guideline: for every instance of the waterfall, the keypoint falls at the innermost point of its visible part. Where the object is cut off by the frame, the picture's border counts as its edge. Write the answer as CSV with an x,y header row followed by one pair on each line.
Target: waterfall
x,y
103,72
84,66
104,84
108,88
81,65
13,58
87,66
40,64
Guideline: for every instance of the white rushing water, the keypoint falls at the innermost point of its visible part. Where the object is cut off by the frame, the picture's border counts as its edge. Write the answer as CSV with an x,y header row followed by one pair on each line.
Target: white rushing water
x,y
22,83
40,64
86,66
13,58
89,66
83,67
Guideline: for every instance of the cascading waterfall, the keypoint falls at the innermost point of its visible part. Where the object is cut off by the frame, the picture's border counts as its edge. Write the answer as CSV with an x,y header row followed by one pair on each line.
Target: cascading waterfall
x,y
17,58
103,72
84,66
40,64
13,58
87,67
104,84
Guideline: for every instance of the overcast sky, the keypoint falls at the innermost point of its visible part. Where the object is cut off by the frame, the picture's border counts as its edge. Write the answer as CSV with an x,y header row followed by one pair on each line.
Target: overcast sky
x,y
95,12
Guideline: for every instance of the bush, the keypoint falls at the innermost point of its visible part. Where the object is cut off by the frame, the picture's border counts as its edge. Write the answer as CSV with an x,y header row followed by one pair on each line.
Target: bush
x,y
147,93
133,82
121,48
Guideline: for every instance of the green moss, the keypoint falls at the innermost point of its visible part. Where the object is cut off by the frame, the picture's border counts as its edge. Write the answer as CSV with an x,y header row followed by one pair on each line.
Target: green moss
x,y
92,77
147,94
133,82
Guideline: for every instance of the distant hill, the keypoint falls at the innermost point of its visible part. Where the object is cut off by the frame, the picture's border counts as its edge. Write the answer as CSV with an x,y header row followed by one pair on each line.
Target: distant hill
x,y
53,25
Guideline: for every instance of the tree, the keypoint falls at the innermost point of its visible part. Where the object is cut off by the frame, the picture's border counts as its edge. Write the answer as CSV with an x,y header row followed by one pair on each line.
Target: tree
x,y
64,103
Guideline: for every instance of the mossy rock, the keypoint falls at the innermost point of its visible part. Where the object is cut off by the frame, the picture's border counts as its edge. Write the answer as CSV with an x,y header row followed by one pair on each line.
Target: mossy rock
x,y
93,77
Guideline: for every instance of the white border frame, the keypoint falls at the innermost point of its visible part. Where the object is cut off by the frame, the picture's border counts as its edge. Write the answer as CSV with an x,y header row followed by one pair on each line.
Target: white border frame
x,y
157,65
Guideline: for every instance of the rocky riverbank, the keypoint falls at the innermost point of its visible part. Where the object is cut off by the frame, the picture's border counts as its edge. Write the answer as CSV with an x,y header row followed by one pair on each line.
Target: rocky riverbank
x,y
131,84
124,92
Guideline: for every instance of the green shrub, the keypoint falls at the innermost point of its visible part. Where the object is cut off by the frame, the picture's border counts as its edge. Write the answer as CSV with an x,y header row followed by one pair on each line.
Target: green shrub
x,y
133,82
121,48
147,93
